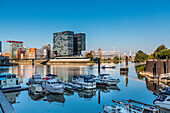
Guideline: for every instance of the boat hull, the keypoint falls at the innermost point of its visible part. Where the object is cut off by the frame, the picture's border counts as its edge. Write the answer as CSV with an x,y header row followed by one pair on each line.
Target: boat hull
x,y
53,90
7,88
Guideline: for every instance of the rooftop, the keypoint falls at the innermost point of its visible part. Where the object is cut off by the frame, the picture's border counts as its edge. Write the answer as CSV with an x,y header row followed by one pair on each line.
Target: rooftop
x,y
14,41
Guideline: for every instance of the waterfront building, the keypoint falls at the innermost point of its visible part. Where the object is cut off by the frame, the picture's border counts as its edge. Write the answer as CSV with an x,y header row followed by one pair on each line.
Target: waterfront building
x,y
4,61
156,67
79,43
31,53
68,44
63,43
21,53
0,47
106,54
44,52
47,47
14,45
6,55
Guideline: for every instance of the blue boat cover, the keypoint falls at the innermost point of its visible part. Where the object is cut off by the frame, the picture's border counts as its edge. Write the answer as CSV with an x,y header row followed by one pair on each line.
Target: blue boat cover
x,y
51,75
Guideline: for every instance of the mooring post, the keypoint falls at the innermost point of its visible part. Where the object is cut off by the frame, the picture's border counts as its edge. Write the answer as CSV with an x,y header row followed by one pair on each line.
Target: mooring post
x,y
98,66
99,97
126,60
32,61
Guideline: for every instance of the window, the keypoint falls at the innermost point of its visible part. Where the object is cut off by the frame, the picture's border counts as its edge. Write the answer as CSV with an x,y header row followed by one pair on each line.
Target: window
x,y
48,82
8,77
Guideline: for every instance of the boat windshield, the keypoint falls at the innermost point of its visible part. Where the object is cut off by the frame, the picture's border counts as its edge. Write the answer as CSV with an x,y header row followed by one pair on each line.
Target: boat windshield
x,y
37,77
88,80
54,82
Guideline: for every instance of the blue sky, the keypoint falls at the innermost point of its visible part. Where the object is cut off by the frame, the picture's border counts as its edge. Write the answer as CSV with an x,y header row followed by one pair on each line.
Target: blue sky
x,y
125,24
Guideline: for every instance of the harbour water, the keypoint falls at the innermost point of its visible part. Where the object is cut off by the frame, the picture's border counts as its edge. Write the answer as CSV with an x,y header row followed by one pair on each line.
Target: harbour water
x,y
131,86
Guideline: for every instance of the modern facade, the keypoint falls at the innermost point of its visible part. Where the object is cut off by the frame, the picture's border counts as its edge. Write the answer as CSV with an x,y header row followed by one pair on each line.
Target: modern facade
x,y
0,47
63,43
14,45
44,52
31,53
68,44
79,43
21,53
106,54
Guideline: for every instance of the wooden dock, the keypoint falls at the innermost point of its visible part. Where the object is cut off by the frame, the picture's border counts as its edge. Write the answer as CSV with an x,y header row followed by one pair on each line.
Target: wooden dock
x,y
5,105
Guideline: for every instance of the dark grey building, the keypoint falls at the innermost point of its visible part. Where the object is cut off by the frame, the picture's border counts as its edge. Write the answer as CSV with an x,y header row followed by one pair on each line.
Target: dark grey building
x,y
79,43
0,46
68,44
63,43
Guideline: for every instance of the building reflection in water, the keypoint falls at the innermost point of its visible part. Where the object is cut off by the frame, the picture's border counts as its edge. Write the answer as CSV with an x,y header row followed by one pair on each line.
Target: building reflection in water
x,y
64,72
155,86
126,75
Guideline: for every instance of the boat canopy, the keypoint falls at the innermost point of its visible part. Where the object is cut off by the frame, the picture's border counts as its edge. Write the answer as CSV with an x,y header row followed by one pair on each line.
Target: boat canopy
x,y
167,90
6,75
104,74
51,75
86,77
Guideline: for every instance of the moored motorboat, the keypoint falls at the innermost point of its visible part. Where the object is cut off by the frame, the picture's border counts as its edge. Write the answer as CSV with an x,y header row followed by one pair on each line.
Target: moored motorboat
x,y
105,80
9,81
36,89
130,106
51,84
163,101
35,79
106,66
84,81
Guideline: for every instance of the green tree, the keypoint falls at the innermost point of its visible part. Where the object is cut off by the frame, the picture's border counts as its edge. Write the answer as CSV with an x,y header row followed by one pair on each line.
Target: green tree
x,y
116,58
163,53
151,56
161,47
89,55
140,56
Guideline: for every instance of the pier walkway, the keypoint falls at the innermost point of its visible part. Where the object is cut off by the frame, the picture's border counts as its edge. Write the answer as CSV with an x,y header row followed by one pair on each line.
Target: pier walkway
x,y
5,105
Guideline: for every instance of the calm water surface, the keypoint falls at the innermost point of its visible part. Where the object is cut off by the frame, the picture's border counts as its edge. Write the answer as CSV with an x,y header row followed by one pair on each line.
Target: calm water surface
x,y
131,86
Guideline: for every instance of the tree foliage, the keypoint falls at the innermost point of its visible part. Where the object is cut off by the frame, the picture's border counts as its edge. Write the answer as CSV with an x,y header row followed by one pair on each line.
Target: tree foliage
x,y
161,47
163,53
116,58
140,56
89,55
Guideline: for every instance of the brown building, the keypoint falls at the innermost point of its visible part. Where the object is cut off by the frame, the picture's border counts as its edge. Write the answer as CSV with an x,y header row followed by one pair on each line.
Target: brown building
x,y
157,67
21,53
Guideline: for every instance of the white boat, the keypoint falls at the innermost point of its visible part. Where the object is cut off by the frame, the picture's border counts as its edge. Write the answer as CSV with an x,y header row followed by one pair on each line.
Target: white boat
x,y
85,81
52,85
105,80
36,89
35,79
9,81
163,101
106,66
130,106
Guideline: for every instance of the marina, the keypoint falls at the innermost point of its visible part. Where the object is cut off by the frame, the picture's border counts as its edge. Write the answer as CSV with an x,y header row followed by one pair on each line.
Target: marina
x,y
130,86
